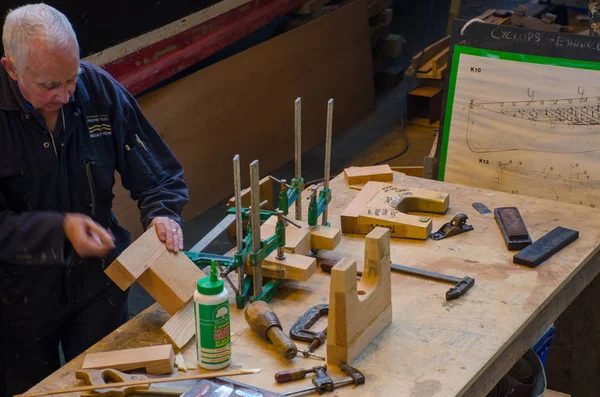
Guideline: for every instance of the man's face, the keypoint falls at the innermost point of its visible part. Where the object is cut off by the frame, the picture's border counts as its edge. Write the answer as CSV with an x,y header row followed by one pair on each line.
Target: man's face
x,y
48,75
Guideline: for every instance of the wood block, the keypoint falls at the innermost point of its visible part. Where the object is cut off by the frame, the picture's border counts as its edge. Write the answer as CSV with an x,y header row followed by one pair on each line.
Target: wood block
x,y
136,259
371,208
155,360
171,282
293,267
391,46
354,322
359,175
180,328
297,241
325,238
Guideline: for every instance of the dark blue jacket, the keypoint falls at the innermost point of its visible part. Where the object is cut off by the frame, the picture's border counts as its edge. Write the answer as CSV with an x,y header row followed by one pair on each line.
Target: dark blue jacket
x,y
43,176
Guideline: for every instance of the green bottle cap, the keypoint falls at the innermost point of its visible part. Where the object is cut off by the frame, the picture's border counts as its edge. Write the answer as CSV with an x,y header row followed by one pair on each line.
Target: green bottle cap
x,y
210,285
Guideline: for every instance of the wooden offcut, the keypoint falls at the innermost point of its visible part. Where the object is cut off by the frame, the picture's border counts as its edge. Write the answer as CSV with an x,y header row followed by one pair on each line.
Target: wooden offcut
x,y
358,312
325,238
360,175
180,328
170,278
249,104
155,360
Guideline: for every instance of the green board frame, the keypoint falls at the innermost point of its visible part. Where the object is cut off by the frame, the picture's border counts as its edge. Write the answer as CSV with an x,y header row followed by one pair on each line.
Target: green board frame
x,y
510,56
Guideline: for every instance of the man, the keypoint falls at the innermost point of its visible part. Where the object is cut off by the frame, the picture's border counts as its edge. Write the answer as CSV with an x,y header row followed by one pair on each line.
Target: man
x,y
65,127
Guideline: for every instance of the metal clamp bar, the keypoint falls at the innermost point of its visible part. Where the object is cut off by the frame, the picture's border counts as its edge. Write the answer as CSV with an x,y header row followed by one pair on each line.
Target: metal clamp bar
x,y
328,152
298,139
255,224
237,186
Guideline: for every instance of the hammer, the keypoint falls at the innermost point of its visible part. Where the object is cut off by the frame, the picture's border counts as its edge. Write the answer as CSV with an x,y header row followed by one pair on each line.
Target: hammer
x,y
461,285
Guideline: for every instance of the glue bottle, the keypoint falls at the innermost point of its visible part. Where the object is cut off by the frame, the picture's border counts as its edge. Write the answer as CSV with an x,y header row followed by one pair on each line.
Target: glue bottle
x,y
211,312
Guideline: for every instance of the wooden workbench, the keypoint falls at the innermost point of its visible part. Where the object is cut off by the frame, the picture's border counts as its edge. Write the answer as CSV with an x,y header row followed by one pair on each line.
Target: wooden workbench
x,y
432,347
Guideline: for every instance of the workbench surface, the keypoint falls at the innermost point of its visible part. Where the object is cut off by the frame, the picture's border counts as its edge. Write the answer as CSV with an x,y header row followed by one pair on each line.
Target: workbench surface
x,y
433,347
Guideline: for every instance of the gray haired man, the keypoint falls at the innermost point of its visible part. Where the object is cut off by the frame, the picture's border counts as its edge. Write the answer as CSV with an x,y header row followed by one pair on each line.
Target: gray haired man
x,y
65,128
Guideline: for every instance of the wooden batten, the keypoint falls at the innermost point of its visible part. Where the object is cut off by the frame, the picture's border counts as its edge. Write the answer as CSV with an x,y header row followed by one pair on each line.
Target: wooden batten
x,y
155,360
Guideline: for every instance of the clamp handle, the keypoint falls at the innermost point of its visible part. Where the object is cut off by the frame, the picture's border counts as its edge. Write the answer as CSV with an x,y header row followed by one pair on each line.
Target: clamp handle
x,y
460,289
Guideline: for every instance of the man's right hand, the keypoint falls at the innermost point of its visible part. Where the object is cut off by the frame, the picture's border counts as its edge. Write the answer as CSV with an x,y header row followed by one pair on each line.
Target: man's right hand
x,y
87,237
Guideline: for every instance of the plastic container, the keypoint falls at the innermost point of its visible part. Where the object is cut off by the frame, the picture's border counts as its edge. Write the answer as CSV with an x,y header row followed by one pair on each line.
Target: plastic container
x,y
542,347
211,312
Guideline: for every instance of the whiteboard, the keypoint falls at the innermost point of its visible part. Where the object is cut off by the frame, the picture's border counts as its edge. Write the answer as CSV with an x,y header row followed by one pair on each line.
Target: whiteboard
x,y
523,124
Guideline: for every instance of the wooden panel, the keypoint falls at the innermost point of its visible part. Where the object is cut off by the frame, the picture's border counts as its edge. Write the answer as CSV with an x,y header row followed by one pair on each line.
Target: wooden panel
x,y
155,359
245,104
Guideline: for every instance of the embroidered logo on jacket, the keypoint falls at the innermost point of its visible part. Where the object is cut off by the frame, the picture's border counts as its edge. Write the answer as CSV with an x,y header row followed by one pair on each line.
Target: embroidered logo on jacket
x,y
98,125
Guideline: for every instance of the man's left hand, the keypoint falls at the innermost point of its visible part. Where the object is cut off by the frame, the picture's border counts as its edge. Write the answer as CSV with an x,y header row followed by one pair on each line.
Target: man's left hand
x,y
169,232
